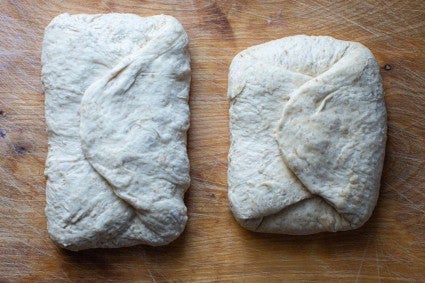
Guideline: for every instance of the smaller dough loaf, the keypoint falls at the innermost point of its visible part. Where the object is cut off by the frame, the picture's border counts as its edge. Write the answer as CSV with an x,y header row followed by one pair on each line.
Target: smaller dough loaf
x,y
117,113
308,132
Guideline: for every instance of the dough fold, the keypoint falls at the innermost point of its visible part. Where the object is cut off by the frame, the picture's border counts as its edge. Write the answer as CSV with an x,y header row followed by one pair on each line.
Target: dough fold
x,y
117,114
308,133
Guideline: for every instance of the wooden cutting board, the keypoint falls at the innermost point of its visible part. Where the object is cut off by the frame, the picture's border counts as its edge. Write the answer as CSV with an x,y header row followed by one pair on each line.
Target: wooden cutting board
x,y
390,247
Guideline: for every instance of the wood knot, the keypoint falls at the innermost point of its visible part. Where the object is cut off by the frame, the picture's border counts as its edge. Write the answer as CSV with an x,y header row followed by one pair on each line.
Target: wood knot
x,y
19,149
387,67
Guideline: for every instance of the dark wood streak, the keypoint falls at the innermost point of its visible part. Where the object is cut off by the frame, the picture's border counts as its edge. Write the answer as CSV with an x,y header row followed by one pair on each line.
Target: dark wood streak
x,y
215,20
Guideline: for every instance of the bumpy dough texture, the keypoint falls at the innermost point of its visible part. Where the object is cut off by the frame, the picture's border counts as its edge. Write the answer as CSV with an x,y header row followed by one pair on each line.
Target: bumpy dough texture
x,y
117,113
308,132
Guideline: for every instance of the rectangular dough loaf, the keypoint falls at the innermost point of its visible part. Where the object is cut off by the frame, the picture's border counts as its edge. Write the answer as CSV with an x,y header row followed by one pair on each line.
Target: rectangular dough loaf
x,y
117,113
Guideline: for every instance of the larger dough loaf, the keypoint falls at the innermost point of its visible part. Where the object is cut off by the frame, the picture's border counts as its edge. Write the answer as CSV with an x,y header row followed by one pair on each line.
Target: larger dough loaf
x,y
117,113
308,132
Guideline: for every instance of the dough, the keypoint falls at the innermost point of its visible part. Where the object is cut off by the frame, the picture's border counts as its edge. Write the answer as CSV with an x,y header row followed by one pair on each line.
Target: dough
x,y
117,113
308,132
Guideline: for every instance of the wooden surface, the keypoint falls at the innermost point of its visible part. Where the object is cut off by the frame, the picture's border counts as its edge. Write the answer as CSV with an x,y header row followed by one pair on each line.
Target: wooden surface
x,y
390,247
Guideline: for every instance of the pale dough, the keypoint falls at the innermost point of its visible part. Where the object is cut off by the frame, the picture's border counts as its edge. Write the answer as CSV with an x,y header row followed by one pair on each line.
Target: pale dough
x,y
117,113
308,132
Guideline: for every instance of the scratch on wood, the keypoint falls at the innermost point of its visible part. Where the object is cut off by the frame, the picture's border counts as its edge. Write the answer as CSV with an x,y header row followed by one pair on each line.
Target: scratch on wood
x,y
359,271
151,276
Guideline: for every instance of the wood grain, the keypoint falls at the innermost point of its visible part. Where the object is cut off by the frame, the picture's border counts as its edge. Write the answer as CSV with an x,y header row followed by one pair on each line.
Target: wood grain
x,y
390,247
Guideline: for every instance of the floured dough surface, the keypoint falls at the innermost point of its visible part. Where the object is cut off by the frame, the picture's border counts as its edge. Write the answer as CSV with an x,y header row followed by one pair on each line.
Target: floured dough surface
x,y
117,113
308,132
